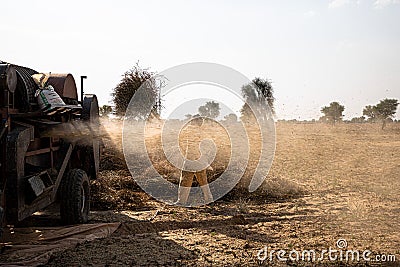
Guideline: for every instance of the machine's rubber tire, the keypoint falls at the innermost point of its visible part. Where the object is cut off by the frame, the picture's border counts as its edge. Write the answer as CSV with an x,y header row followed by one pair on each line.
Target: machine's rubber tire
x,y
90,109
90,113
75,197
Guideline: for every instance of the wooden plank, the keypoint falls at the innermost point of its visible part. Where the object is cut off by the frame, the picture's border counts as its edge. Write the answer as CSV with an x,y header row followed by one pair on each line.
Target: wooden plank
x,y
41,151
44,200
61,172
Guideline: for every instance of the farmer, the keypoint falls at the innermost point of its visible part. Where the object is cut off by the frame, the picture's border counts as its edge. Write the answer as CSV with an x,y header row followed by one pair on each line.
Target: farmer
x,y
190,137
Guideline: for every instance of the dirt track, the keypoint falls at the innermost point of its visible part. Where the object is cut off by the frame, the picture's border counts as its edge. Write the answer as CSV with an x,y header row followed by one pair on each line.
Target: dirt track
x,y
348,176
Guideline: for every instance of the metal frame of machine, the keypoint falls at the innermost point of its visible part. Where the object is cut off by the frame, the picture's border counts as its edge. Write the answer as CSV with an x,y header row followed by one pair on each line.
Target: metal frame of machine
x,y
49,154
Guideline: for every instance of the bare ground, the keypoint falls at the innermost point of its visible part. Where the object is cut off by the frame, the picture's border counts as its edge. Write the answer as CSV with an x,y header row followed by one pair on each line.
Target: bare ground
x,y
326,183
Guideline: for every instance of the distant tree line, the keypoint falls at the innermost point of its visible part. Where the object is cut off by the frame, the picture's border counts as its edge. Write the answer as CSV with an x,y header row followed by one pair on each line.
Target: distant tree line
x,y
258,92
382,112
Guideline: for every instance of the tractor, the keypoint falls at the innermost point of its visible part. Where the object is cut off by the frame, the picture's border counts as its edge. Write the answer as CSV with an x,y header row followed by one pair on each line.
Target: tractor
x,y
50,145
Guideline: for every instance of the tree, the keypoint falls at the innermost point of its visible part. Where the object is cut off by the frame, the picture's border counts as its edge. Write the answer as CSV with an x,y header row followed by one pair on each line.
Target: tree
x,y
358,119
371,113
105,110
332,113
131,81
210,109
259,92
383,111
230,118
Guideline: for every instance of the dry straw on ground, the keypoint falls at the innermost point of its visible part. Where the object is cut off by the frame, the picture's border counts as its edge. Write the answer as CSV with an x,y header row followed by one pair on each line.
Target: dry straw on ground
x,y
117,189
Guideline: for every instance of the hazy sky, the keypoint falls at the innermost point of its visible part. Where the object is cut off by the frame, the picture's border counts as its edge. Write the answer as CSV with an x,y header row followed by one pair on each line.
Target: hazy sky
x,y
314,52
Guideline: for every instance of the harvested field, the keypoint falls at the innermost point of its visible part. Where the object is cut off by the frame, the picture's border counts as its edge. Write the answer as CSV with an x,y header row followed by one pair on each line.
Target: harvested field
x,y
326,183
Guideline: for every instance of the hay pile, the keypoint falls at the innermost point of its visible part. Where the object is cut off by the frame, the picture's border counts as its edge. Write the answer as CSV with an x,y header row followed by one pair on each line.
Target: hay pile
x,y
116,189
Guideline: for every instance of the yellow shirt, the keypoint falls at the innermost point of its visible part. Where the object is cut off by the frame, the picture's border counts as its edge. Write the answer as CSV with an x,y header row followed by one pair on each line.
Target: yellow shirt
x,y
190,138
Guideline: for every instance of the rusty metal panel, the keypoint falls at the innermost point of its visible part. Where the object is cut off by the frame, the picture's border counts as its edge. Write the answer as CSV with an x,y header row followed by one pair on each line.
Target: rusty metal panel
x,y
8,77
64,85
17,144
26,84
24,88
